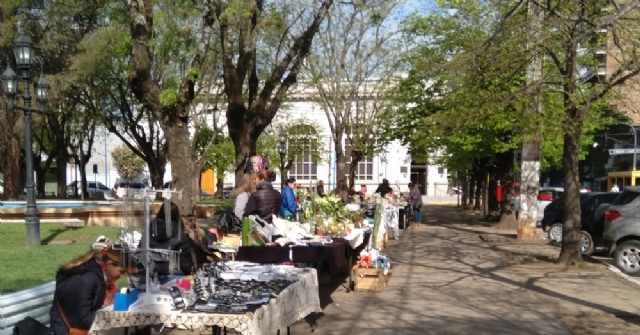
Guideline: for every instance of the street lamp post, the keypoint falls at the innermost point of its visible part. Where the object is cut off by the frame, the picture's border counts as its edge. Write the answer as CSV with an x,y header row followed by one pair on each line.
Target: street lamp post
x,y
282,150
635,144
24,54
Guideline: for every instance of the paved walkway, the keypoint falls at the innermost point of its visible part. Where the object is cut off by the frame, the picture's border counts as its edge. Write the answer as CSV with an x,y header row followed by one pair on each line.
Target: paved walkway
x,y
445,281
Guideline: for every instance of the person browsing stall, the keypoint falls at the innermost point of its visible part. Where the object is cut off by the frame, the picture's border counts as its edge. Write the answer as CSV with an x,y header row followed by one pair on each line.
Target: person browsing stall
x,y
242,193
342,190
384,188
288,205
83,286
320,188
415,200
265,201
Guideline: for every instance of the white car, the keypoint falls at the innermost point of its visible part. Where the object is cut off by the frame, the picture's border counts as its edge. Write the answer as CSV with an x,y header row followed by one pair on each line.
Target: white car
x,y
94,189
547,194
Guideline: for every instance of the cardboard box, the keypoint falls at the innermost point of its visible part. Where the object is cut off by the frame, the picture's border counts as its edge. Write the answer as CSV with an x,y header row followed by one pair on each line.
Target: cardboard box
x,y
370,279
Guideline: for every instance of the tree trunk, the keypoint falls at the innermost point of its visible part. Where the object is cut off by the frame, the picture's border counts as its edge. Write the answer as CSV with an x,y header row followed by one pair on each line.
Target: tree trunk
x,y
12,158
508,218
571,228
242,136
341,164
530,180
464,189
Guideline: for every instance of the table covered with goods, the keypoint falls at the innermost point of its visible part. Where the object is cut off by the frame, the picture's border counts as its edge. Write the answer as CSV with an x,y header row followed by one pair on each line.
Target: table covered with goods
x,y
246,297
327,234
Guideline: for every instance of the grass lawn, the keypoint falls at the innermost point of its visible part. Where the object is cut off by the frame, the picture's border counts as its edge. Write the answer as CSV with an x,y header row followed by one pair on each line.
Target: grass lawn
x,y
24,267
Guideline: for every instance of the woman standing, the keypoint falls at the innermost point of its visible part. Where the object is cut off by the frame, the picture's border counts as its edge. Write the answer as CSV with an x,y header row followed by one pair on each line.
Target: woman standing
x,y
242,193
288,205
265,201
83,286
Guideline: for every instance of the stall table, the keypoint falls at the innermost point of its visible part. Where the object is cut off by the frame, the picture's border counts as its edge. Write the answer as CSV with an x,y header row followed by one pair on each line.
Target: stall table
x,y
336,256
294,303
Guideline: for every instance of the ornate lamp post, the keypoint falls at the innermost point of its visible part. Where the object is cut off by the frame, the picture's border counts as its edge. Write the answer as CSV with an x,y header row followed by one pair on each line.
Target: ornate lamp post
x,y
282,150
24,54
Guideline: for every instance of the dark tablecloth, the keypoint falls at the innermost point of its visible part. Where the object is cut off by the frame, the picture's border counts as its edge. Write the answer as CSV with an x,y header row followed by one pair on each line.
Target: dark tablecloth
x,y
335,256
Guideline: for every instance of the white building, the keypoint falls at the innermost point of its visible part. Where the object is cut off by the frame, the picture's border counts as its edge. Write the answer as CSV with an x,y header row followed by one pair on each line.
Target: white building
x,y
393,163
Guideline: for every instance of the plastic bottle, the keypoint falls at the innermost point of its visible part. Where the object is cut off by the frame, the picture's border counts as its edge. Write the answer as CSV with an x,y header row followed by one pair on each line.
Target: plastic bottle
x,y
245,232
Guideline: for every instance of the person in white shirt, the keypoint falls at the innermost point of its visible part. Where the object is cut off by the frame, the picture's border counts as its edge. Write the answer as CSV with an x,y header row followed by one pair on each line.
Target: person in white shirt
x,y
242,193
615,188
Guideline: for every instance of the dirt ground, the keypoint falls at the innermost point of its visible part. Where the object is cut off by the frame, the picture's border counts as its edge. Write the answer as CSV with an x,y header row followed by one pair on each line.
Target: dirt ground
x,y
589,298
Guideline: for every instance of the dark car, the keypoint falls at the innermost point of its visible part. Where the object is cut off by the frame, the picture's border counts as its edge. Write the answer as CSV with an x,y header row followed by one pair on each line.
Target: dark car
x,y
592,207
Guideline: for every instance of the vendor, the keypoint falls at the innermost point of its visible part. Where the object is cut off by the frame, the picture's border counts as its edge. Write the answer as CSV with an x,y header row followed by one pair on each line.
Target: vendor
x,y
83,286
288,205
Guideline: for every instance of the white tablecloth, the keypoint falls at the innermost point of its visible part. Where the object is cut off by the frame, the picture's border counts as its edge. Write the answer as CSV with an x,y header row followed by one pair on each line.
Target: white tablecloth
x,y
355,237
292,304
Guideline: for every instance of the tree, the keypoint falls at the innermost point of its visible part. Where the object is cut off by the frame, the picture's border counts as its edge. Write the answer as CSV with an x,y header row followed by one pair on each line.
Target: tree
x,y
459,102
243,28
170,59
573,34
127,163
354,60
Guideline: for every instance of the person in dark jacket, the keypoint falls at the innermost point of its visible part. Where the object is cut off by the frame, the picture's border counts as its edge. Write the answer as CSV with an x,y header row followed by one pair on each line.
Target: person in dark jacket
x,y
265,201
320,188
384,188
83,286
288,206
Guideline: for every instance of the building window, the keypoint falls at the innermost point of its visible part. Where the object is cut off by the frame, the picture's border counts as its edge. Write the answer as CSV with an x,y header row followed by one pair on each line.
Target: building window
x,y
440,170
303,150
364,171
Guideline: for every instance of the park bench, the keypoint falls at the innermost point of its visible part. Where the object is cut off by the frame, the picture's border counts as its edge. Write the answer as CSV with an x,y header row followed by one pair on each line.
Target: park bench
x,y
34,302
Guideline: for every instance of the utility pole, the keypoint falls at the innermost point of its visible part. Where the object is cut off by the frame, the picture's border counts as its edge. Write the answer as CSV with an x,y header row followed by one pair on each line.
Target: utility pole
x,y
530,176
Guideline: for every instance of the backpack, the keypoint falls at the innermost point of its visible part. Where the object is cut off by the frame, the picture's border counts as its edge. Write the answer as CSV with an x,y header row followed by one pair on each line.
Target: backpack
x,y
30,326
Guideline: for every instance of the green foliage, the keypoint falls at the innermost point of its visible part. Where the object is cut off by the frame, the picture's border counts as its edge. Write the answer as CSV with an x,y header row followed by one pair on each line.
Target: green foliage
x,y
460,93
127,163
169,97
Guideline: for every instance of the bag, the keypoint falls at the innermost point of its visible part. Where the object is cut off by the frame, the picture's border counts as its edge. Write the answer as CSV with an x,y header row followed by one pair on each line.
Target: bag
x,y
72,331
229,222
30,326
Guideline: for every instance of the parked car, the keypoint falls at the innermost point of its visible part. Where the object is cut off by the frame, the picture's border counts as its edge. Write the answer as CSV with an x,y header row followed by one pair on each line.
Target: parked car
x,y
130,189
94,189
592,219
545,196
621,235
548,194
227,191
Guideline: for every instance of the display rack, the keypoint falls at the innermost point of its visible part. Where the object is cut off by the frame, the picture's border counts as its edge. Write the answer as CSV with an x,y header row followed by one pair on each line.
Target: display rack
x,y
146,255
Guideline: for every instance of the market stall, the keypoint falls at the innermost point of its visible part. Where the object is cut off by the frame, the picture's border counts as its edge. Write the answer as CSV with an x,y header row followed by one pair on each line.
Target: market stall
x,y
261,315
335,254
